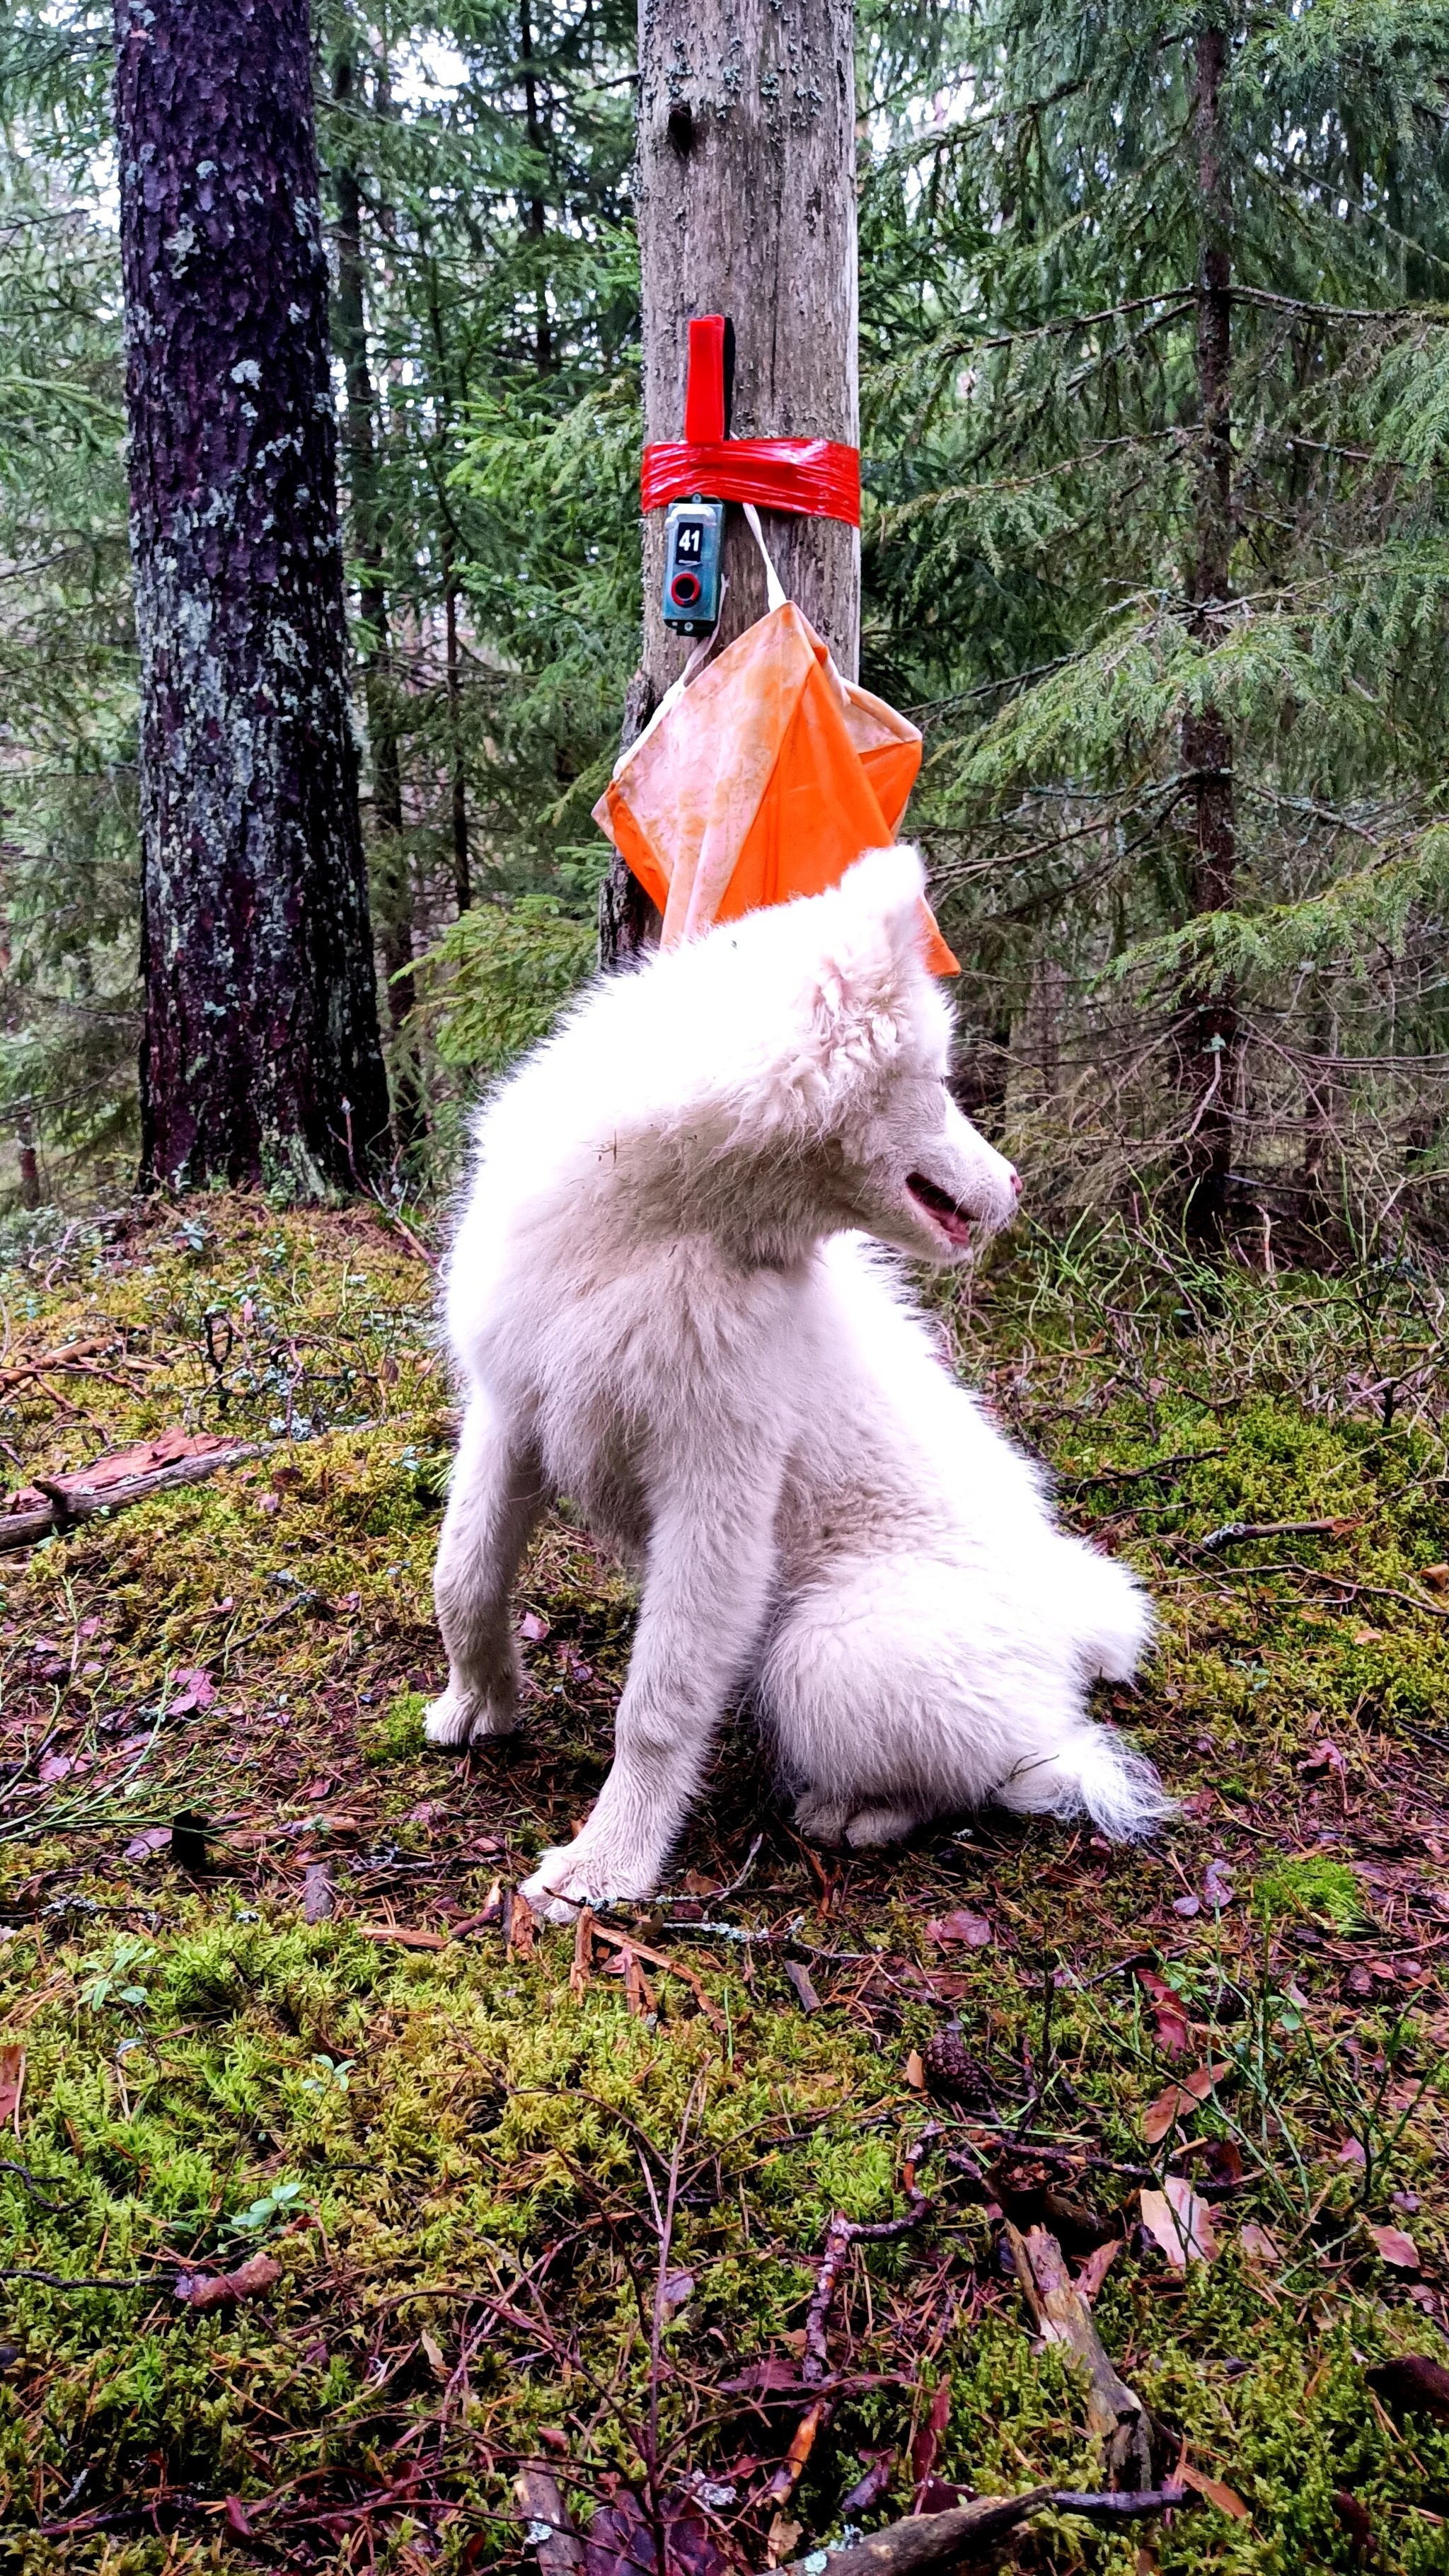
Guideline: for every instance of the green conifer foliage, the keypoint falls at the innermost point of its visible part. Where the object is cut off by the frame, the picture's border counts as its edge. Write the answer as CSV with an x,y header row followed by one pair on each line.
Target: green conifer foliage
x,y
69,1003
1043,256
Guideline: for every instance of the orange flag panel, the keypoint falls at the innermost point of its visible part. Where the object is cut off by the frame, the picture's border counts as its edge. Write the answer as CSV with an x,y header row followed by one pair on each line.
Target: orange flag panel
x,y
763,780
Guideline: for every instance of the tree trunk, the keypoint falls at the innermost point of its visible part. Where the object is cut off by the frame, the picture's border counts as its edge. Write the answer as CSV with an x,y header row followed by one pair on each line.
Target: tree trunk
x,y
261,1058
537,217
29,1159
458,776
746,202
1207,742
392,873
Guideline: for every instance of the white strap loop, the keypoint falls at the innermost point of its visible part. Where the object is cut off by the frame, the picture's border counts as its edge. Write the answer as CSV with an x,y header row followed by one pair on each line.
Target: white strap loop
x,y
774,587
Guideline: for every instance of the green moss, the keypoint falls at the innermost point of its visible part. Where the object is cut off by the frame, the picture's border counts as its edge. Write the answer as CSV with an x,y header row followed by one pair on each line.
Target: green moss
x,y
398,1737
1311,1886
446,2150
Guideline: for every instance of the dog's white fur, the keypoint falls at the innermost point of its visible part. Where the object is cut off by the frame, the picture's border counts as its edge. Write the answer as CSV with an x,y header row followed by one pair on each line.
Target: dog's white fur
x,y
662,1307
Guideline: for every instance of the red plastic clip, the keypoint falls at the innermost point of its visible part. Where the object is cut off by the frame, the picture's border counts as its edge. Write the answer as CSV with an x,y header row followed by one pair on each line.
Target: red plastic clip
x,y
706,420
815,478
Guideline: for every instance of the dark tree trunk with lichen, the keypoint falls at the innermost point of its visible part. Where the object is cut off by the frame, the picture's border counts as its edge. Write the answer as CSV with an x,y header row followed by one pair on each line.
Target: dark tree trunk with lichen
x,y
261,1060
1213,1031
745,186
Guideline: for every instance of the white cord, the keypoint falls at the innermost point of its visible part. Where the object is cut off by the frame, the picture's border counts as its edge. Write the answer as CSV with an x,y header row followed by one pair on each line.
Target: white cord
x,y
774,587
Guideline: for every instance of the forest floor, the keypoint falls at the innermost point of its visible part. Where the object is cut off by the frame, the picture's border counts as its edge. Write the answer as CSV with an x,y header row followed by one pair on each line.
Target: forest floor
x,y
511,2196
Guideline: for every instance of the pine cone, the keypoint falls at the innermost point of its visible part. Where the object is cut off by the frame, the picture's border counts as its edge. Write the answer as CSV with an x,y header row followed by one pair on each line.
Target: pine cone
x,y
953,2073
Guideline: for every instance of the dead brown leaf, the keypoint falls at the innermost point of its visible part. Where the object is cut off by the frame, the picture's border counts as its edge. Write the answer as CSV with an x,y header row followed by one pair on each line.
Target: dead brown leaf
x,y
927,2444
782,2484
1179,2223
1216,2493
1091,2274
206,2290
1167,2012
12,2085
1395,2248
964,1926
1258,2246
1179,2101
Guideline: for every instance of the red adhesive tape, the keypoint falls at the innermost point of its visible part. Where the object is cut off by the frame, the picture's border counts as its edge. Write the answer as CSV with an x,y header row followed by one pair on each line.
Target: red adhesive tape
x,y
816,478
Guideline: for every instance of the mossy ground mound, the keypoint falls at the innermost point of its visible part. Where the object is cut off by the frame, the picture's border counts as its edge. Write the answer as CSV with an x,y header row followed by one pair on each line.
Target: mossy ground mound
x,y
458,2151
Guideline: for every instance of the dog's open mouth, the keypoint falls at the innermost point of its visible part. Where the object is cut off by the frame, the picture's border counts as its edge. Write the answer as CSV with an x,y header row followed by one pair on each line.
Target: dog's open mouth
x,y
948,1214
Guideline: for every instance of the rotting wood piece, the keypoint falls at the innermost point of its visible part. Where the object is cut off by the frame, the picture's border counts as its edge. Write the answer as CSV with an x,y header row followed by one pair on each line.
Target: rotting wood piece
x,y
1115,2413
550,2533
110,1483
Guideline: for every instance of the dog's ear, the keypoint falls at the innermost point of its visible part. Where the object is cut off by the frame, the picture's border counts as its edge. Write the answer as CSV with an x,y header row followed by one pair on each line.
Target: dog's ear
x,y
875,927
885,892
870,988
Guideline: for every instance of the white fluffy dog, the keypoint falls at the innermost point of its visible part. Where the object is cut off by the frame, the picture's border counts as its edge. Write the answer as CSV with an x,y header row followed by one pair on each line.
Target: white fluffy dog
x,y
661,1305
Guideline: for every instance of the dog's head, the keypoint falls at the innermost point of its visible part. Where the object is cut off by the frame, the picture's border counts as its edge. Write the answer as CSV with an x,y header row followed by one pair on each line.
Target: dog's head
x,y
899,1159
779,1080
807,1047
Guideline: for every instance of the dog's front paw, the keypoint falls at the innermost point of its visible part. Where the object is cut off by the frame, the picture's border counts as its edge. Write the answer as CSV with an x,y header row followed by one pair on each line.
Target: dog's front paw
x,y
462,1716
821,1817
572,1875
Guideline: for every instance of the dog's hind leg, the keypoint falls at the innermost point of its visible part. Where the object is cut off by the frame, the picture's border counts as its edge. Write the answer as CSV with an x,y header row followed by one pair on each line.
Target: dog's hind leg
x,y
493,1500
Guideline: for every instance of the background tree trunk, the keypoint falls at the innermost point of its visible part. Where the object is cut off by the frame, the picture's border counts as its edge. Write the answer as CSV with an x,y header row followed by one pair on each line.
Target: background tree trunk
x,y
262,1060
1207,742
29,1159
392,874
746,201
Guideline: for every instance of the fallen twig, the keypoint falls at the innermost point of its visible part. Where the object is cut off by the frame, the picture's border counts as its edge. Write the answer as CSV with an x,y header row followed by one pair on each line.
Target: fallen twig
x,y
31,2185
657,1959
1232,1531
1070,1485
62,1500
1061,2315
972,2530
395,1224
1348,1587
100,2281
840,2235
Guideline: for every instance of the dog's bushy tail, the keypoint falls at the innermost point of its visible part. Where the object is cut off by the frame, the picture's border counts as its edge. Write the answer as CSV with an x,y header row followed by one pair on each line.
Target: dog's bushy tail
x,y
1095,1770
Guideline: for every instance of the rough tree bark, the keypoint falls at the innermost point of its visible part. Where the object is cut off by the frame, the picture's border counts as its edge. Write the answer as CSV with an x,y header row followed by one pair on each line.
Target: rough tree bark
x,y
261,1060
745,188
1213,1033
359,440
